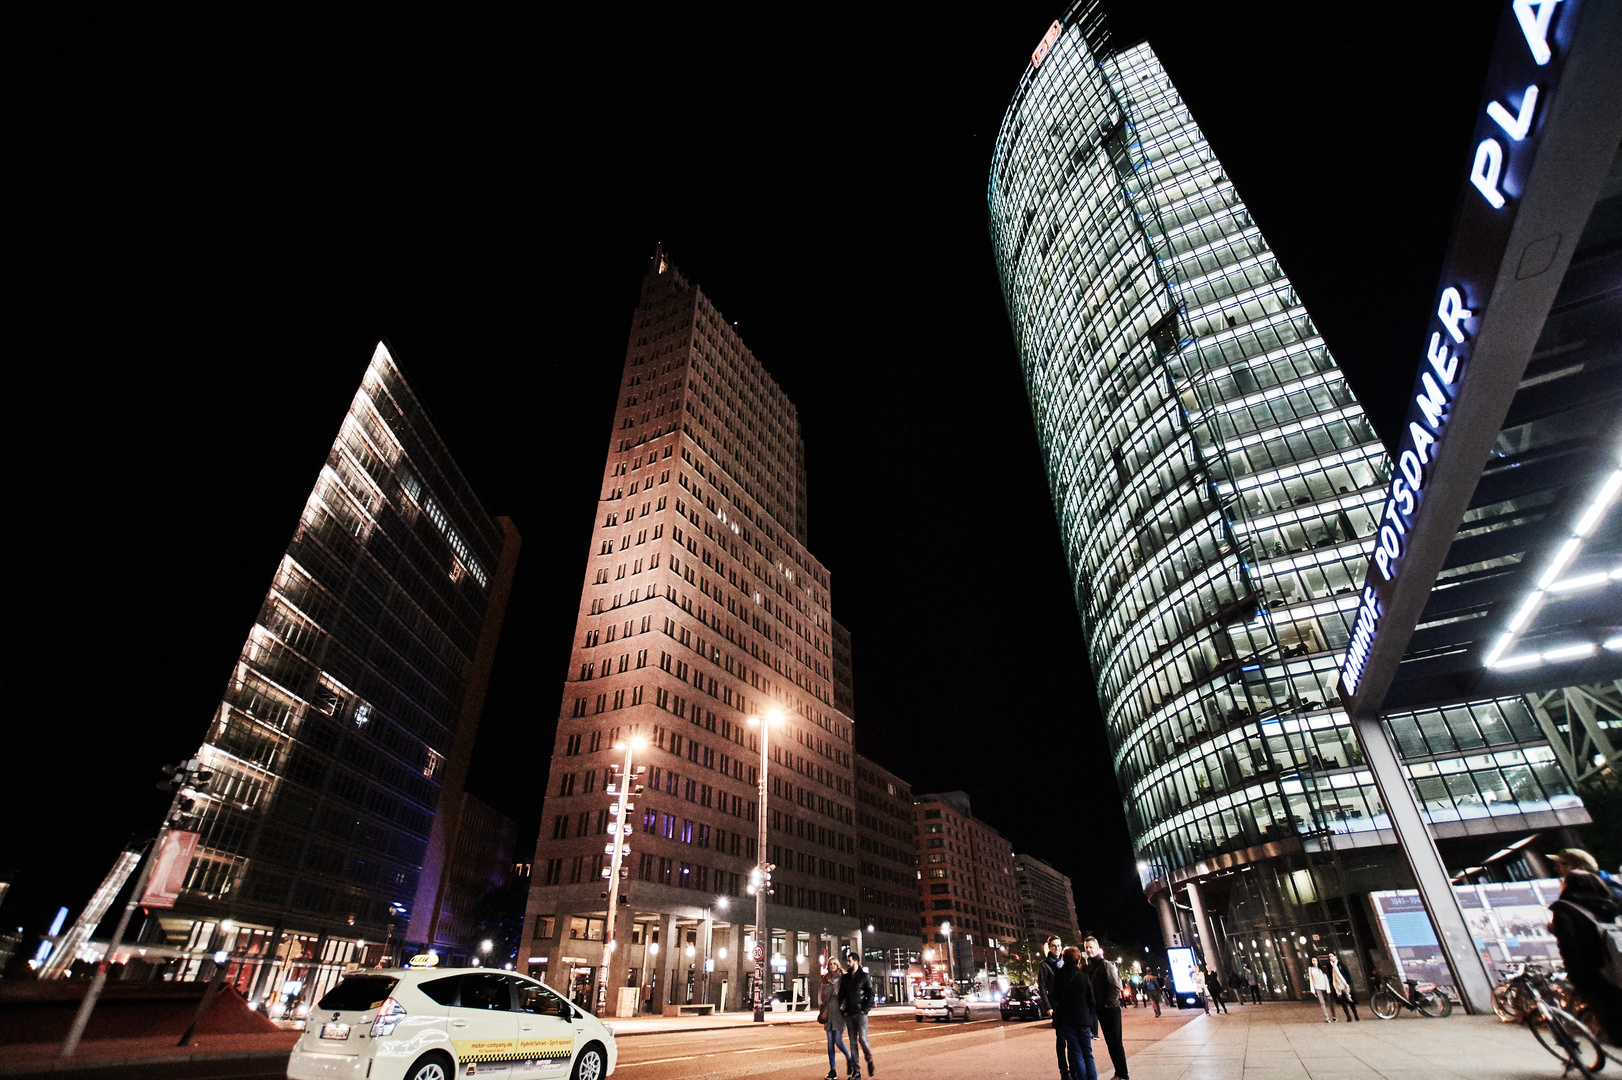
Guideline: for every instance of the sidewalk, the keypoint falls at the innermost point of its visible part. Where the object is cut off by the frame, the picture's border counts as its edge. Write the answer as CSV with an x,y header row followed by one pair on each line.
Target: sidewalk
x,y
1290,1041
625,1026
28,1059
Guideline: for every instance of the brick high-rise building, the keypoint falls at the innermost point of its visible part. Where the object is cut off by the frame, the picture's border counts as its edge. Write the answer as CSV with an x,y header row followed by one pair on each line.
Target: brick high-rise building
x,y
886,876
1047,903
967,880
701,607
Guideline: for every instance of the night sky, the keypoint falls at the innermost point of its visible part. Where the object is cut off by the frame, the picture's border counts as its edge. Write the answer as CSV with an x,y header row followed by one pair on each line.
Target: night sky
x,y
214,219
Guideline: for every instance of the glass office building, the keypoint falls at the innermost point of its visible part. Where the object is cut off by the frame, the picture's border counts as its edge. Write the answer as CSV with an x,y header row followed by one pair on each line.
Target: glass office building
x,y
1216,484
348,718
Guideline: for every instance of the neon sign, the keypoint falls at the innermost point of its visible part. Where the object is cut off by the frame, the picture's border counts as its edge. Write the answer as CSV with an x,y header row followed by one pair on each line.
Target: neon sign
x,y
1532,41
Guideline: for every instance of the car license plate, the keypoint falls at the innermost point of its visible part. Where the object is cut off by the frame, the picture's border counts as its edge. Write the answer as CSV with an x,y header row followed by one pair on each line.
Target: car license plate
x,y
335,1031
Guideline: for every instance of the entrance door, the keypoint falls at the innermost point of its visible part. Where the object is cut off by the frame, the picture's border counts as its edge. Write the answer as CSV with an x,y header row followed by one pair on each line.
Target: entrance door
x,y
545,1031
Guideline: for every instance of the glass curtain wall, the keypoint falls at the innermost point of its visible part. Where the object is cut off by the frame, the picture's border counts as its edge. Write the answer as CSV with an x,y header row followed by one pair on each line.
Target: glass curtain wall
x,y
1214,477
329,744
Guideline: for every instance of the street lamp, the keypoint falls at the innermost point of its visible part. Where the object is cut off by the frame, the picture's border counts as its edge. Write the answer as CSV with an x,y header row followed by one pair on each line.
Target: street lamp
x,y
760,880
951,961
618,830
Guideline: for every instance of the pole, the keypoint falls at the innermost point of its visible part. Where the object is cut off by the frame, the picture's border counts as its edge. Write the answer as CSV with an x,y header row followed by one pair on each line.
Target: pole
x,y
88,1005
620,827
1425,861
762,937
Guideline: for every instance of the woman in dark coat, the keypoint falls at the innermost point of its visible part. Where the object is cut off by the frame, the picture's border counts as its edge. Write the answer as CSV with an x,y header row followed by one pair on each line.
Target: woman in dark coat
x,y
1581,947
1073,1007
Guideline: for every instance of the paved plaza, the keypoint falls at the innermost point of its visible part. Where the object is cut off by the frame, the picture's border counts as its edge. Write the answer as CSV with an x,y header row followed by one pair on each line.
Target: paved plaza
x,y
1289,1041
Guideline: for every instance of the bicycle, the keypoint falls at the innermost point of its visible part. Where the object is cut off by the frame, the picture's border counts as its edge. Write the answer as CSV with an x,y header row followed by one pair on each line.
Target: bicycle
x,y
1558,1031
1427,999
1512,1001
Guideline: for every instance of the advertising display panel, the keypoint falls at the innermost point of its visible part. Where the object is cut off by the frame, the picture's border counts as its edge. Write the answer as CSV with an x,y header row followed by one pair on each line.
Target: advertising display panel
x,y
1509,924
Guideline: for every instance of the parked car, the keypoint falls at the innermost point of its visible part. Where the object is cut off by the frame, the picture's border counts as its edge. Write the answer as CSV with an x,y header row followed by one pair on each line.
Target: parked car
x,y
437,1023
939,1003
784,999
1022,1003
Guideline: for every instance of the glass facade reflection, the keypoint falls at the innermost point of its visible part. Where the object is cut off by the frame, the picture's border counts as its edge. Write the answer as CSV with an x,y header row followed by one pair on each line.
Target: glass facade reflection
x,y
1216,484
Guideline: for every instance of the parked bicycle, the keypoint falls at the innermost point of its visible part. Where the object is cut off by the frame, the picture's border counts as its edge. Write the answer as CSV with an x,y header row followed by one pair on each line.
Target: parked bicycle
x,y
1558,1030
1427,999
1512,1001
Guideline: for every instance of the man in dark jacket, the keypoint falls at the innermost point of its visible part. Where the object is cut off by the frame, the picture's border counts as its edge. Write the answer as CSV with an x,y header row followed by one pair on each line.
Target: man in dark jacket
x,y
1106,983
1585,899
855,998
1049,967
1074,1016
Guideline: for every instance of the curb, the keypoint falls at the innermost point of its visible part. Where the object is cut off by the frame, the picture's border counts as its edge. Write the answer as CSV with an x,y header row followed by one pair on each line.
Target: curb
x,y
51,1065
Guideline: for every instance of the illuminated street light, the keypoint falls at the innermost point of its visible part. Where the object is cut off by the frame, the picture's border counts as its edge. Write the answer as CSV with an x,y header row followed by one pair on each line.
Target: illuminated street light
x,y
618,850
761,877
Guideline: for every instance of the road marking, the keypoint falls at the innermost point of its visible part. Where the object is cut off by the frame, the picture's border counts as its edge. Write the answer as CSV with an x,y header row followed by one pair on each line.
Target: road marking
x,y
659,1061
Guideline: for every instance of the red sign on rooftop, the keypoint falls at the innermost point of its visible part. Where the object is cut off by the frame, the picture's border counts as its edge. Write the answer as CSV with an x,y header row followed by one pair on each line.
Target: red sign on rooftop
x,y
1049,39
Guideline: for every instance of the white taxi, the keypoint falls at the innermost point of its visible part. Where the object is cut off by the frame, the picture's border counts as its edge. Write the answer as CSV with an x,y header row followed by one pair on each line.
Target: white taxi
x,y
444,1023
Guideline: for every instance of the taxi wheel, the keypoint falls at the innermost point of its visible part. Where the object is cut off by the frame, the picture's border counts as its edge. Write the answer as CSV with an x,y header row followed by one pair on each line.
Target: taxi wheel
x,y
592,1064
431,1066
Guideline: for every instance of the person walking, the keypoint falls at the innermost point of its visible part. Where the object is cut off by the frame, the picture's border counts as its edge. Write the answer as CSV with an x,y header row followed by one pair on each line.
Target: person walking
x,y
1106,982
1151,990
832,1020
1320,984
1200,990
1213,985
1236,983
1577,921
1340,976
1074,1017
855,999
1255,987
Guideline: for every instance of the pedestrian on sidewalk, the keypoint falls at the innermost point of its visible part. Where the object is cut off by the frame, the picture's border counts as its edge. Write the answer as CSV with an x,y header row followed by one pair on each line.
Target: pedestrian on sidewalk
x,y
1341,976
1579,921
1255,987
1107,1004
855,999
1213,984
1151,988
1052,961
1236,983
1320,984
1074,1018
832,1020
1200,990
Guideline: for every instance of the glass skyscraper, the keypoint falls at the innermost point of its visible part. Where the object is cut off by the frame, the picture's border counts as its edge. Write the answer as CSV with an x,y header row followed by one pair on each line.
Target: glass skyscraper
x,y
349,716
1216,483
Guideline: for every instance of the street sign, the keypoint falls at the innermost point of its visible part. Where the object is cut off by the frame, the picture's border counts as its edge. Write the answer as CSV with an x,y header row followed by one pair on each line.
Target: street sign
x,y
760,953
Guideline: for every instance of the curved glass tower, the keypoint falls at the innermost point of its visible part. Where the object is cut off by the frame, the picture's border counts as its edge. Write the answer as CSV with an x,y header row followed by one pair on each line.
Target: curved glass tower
x,y
1213,475
1216,483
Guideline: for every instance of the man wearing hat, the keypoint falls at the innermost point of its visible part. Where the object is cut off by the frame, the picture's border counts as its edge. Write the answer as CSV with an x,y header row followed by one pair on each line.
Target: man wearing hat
x,y
1578,920
1571,858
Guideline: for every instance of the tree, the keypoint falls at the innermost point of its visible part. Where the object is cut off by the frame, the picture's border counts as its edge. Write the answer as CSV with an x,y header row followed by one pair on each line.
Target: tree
x,y
1024,957
499,918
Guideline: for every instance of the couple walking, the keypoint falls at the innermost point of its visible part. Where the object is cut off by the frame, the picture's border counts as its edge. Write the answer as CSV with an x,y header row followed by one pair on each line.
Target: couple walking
x,y
1084,996
846,998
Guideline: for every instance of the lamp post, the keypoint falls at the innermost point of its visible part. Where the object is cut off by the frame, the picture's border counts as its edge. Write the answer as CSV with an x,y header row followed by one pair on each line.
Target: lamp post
x,y
618,829
951,961
760,880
